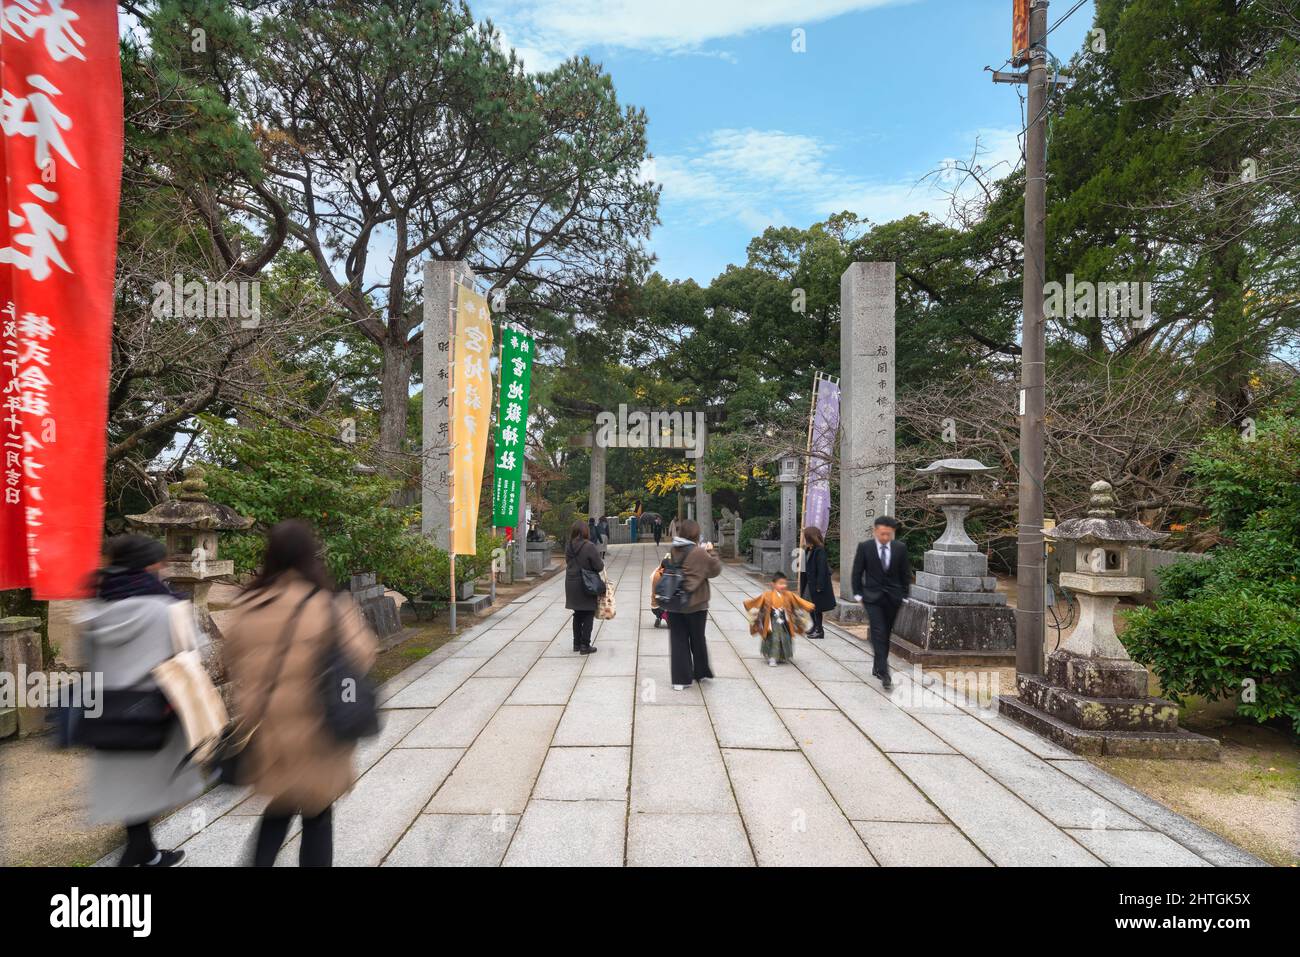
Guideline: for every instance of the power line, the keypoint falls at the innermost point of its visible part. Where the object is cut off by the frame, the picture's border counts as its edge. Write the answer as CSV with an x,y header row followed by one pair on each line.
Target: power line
x,y
1064,18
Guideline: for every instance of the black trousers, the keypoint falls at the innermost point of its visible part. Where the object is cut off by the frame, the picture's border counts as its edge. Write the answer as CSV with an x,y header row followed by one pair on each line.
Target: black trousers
x,y
690,655
140,848
582,622
817,621
881,615
317,845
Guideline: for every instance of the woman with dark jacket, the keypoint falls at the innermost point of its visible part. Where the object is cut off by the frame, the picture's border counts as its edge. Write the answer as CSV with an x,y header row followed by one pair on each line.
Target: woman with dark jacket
x,y
580,554
817,587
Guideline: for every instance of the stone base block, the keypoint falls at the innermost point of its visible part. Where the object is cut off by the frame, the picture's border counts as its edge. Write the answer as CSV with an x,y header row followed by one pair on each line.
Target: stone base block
x,y
1096,677
8,722
1098,714
956,564
381,614
473,606
966,583
955,634
932,597
1132,744
849,610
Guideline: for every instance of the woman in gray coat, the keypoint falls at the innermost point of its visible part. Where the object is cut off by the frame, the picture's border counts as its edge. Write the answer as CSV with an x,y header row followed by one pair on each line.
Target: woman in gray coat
x,y
127,631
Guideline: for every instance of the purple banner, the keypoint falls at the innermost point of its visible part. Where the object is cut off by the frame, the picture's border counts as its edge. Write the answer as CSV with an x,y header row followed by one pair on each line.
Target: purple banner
x,y
821,449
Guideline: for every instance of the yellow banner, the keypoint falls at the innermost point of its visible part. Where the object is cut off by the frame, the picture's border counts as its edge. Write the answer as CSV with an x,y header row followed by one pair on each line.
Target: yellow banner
x,y
471,414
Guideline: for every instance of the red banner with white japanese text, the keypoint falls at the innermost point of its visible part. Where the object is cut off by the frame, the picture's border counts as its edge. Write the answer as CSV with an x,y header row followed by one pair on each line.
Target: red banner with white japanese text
x,y
62,162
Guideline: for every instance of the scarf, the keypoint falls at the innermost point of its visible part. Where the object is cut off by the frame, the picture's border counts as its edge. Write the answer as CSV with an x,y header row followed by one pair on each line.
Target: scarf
x,y
116,583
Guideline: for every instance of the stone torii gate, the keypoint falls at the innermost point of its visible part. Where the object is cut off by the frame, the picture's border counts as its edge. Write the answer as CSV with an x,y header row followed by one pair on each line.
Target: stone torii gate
x,y
683,429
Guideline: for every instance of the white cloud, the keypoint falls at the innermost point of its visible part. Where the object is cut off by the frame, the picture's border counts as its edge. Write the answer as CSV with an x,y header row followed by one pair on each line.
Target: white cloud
x,y
548,31
760,178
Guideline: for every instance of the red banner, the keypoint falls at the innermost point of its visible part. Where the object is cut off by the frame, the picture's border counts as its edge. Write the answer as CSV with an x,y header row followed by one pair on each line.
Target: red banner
x,y
62,163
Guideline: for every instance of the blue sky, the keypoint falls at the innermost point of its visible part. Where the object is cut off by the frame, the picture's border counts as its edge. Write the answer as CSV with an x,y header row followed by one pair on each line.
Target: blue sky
x,y
747,133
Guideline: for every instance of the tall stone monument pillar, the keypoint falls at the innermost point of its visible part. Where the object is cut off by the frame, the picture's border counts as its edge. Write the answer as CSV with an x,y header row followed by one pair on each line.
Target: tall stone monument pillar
x,y
866,412
596,486
703,500
440,281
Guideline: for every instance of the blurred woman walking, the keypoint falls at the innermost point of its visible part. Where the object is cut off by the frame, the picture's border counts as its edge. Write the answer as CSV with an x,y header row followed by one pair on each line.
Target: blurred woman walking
x,y
127,628
285,625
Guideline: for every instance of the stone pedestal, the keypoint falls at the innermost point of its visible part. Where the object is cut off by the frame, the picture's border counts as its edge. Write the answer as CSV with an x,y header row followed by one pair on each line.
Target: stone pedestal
x,y
1101,706
20,656
954,616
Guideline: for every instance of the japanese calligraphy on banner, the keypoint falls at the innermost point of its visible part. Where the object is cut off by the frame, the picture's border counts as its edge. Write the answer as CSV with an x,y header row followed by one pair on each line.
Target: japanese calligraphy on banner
x,y
471,414
512,417
821,451
62,162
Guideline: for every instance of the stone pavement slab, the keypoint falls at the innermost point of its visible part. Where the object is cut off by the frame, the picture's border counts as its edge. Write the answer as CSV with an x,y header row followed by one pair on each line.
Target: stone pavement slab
x,y
504,747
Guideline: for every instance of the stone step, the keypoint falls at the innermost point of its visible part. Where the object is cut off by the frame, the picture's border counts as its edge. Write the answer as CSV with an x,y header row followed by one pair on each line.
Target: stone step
x,y
1131,744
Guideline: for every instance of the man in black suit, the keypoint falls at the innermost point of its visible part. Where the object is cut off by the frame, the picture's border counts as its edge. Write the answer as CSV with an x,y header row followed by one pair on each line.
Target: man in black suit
x,y
882,577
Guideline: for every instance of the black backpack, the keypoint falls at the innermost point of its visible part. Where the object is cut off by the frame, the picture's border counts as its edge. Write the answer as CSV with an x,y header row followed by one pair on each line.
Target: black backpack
x,y
671,593
351,705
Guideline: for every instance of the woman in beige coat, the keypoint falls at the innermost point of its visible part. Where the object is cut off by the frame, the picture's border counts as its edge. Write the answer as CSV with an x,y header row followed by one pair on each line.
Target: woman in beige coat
x,y
275,649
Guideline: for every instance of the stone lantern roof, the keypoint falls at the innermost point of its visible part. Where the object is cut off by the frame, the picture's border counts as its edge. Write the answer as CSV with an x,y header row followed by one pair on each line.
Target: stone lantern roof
x,y
190,508
970,466
1101,526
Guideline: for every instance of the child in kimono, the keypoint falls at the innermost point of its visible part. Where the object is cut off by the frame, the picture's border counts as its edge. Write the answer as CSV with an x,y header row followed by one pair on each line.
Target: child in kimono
x,y
776,616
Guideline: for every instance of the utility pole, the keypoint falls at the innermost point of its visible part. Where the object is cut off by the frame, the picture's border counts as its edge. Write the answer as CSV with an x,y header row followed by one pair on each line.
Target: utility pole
x,y
1031,568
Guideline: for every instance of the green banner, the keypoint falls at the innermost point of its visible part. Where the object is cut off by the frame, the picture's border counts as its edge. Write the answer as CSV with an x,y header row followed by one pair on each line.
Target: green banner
x,y
512,420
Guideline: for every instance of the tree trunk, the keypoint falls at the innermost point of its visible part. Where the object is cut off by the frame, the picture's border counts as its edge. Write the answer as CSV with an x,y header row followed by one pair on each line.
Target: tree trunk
x,y
395,392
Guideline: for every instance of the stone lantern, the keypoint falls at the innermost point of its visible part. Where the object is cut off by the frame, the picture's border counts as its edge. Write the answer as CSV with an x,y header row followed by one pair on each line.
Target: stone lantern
x,y
954,614
1093,698
789,474
191,524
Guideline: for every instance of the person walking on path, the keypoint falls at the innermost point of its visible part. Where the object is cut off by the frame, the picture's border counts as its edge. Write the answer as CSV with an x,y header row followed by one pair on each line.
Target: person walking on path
x,y
776,616
816,586
882,577
581,555
603,526
699,563
283,627
127,629
657,527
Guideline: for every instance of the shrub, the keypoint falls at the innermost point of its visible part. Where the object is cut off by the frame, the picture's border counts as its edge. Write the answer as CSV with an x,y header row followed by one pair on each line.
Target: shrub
x,y
752,528
273,473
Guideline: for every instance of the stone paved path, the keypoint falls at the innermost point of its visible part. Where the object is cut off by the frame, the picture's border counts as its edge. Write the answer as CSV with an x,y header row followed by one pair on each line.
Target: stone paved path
x,y
504,747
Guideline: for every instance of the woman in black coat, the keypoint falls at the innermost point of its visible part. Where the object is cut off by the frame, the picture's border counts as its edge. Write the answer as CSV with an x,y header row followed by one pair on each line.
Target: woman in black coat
x,y
578,555
817,586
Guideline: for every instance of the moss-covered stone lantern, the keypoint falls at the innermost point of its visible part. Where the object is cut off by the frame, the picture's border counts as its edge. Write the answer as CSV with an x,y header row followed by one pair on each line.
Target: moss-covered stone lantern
x,y
191,525
1093,698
